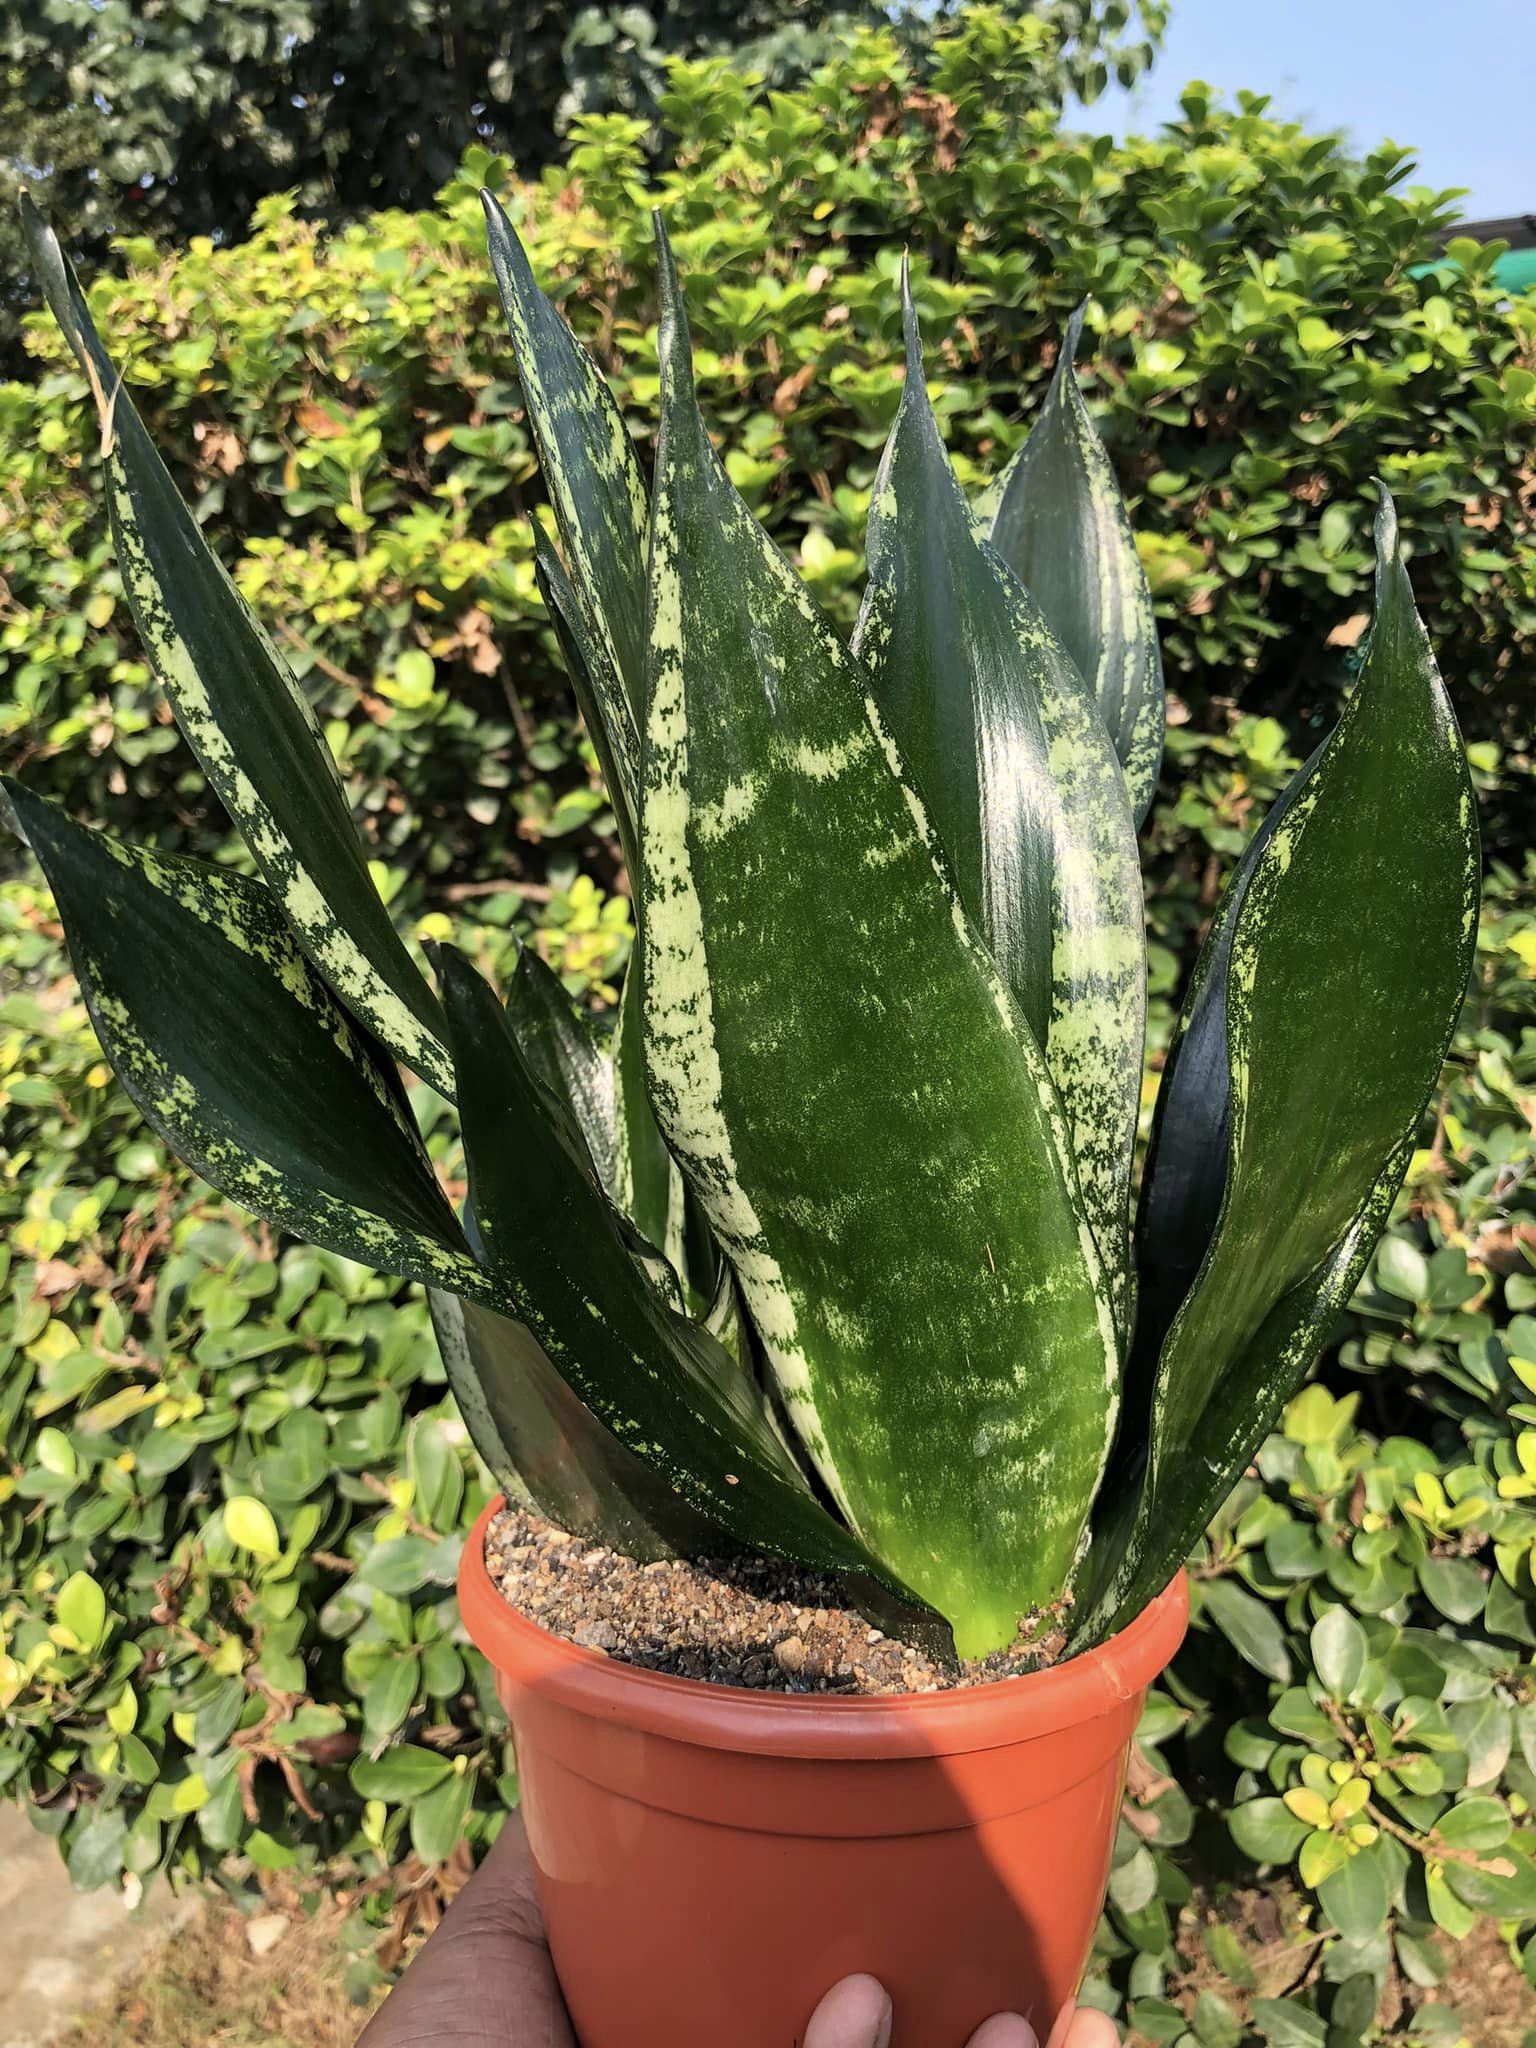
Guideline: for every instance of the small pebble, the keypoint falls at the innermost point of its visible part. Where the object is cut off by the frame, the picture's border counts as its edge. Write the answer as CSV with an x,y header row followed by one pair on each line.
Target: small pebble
x,y
755,1622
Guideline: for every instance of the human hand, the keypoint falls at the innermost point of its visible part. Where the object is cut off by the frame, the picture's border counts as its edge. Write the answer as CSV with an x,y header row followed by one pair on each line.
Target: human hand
x,y
485,1980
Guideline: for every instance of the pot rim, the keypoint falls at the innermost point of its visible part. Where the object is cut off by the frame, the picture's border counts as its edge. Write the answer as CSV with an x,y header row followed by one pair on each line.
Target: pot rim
x,y
725,1717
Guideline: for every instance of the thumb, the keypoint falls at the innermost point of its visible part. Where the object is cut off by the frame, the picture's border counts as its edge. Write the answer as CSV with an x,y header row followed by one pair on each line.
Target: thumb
x,y
854,2014
484,1979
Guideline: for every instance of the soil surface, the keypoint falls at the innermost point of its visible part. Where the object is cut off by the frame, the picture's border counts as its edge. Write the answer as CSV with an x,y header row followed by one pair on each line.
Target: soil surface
x,y
755,1622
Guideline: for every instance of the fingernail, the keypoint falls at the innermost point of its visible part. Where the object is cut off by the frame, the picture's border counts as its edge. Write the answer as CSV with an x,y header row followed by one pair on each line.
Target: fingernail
x,y
881,2038
1005,2030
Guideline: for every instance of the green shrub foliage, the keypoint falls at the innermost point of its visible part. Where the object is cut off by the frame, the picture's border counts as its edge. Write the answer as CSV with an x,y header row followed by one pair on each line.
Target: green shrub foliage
x,y
233,1489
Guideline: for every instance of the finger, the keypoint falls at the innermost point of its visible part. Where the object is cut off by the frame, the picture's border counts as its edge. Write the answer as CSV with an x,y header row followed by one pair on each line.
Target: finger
x,y
484,1979
854,2014
1083,2027
1004,2030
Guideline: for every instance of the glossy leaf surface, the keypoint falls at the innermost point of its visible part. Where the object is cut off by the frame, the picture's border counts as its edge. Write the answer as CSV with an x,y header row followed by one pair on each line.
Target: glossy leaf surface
x,y
1320,1021
1057,518
561,1047
1025,793
847,1081
543,1445
586,459
237,1053
557,1251
243,712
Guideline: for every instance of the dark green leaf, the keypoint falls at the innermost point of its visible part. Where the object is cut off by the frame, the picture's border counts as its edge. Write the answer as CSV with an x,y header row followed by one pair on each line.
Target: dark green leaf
x,y
95,1852
438,1817
819,1015
402,1772
237,1053
1501,1884
1252,1629
402,1565
1356,1898
1403,1269
389,1695
561,1047
1454,1585
1334,975
243,712
1215,2024
562,1259
1485,1731
1285,2025
589,466
1058,520
1339,1651
600,696
1476,1823
545,1447
1024,792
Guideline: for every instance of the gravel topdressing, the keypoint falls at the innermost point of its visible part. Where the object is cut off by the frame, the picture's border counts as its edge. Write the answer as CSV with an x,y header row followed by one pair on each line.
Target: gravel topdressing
x,y
754,1622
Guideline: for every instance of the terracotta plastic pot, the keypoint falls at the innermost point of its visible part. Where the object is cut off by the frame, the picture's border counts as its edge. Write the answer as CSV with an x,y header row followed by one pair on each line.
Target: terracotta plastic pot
x,y
711,1860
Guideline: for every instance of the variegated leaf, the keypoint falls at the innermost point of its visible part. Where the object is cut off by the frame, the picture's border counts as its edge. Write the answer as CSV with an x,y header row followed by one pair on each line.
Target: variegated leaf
x,y
1320,1017
599,694
1057,518
556,1248
1024,791
847,1081
1145,1536
243,712
588,464
237,1053
647,1183
547,1450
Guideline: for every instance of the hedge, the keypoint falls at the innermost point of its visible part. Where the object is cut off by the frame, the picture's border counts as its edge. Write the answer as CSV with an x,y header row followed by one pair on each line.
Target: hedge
x,y
233,1488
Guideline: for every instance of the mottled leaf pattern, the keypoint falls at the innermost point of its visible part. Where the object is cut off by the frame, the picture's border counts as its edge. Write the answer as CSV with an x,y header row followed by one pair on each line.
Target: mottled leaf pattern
x,y
243,712
1146,1535
1057,518
847,1081
600,696
887,1008
589,466
1025,795
238,1054
1337,976
658,1381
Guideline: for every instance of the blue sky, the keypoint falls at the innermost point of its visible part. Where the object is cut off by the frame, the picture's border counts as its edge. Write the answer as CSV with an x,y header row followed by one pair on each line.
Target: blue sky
x,y
1457,82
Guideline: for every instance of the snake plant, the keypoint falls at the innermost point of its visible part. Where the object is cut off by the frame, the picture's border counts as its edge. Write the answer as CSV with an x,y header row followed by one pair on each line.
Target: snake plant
x,y
831,1249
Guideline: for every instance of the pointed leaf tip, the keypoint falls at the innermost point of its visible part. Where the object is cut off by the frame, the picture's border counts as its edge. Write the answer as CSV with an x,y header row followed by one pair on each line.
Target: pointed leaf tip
x,y
666,262
1388,544
1058,519
911,333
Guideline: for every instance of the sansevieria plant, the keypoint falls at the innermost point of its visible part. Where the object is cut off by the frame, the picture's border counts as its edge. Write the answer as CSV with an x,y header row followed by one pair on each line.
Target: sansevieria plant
x,y
830,1251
